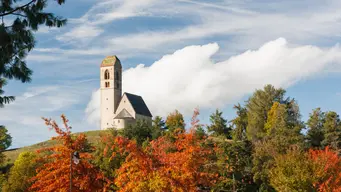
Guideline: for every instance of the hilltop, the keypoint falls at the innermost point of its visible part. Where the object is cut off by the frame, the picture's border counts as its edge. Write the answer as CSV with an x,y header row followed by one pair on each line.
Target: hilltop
x,y
92,136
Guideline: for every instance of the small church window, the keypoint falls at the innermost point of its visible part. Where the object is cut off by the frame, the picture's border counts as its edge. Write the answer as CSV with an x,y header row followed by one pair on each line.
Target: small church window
x,y
106,74
107,84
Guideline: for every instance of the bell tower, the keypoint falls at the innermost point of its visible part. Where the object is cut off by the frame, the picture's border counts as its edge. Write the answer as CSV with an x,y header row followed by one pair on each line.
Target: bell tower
x,y
111,89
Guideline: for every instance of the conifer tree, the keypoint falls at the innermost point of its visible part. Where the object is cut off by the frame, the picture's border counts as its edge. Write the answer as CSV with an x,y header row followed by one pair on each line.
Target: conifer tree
x,y
258,106
315,128
219,125
280,136
157,127
239,123
332,131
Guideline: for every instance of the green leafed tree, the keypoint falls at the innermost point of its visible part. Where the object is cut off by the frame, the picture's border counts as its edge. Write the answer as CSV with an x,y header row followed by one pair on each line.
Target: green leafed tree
x,y
315,123
103,156
175,121
258,106
235,167
157,127
239,123
332,130
292,171
218,125
140,131
279,137
20,174
18,21
5,138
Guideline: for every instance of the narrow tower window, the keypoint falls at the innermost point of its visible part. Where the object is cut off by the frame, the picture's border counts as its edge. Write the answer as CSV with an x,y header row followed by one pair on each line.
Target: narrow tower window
x,y
106,74
107,84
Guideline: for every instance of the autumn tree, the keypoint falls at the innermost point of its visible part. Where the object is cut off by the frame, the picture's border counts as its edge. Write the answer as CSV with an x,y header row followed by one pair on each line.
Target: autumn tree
x,y
315,128
292,171
18,22
165,165
21,173
332,131
327,166
54,174
218,125
279,136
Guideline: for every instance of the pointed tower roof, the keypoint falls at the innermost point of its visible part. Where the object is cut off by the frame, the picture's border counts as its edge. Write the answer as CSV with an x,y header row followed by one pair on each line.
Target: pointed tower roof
x,y
111,61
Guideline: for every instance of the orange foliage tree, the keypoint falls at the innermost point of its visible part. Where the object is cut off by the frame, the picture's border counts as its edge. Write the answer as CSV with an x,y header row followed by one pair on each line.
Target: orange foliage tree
x,y
54,174
165,164
327,170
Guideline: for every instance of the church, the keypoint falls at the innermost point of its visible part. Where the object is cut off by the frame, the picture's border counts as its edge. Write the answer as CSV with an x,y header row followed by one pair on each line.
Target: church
x,y
119,110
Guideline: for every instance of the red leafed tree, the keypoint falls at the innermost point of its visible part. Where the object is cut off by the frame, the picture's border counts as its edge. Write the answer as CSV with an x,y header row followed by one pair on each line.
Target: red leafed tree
x,y
54,174
165,164
327,170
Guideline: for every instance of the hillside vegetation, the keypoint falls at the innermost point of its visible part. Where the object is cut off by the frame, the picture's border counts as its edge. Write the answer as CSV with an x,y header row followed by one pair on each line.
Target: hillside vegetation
x,y
11,155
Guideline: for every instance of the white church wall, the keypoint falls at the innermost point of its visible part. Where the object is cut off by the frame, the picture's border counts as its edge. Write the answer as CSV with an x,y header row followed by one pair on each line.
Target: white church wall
x,y
125,104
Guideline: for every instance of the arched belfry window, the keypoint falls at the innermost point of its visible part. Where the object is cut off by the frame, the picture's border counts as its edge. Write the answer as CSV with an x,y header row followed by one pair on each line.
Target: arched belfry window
x,y
107,84
106,74
117,77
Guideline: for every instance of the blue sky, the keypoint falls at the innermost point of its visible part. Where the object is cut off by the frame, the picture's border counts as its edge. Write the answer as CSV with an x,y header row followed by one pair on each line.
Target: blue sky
x,y
178,55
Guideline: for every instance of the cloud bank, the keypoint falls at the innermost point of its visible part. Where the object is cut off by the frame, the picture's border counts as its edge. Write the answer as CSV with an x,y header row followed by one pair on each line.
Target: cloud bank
x,y
189,77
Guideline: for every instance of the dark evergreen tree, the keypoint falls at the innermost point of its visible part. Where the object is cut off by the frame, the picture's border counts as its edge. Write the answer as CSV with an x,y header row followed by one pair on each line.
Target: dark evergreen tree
x,y
17,38
315,128
140,131
332,131
239,123
158,127
219,125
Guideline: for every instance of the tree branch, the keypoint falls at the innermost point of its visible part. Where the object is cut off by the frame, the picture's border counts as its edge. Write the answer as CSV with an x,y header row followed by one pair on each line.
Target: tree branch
x,y
16,9
18,14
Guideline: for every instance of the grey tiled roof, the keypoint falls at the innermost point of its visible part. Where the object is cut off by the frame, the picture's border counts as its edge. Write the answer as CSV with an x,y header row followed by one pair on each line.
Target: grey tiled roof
x,y
138,104
124,114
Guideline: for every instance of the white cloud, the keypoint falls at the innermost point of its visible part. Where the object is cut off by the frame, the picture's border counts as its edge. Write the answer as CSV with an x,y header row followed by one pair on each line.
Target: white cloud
x,y
80,32
23,116
102,13
189,78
